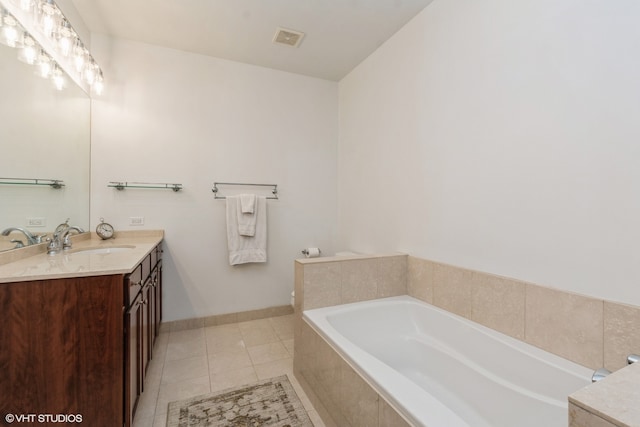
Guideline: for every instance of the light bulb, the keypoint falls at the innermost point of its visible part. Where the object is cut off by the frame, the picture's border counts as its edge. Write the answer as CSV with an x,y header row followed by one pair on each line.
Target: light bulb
x,y
48,17
57,78
11,33
98,84
79,53
66,37
89,74
26,5
44,65
29,53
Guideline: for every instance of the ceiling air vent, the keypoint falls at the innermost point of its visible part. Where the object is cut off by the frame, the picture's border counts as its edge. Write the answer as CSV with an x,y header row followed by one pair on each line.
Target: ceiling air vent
x,y
288,37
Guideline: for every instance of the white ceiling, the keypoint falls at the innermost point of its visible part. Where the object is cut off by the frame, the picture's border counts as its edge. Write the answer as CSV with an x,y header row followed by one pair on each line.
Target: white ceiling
x,y
339,34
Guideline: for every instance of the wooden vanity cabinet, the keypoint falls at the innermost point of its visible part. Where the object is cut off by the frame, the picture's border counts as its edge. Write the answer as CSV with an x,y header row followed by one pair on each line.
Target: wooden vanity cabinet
x,y
133,339
143,318
79,346
61,349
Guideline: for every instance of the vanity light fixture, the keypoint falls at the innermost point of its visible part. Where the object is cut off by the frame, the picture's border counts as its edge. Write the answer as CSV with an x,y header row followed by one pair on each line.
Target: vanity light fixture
x,y
47,40
29,51
11,32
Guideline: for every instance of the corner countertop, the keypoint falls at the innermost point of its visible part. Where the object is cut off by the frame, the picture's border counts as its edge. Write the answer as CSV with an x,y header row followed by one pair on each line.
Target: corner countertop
x,y
75,263
615,398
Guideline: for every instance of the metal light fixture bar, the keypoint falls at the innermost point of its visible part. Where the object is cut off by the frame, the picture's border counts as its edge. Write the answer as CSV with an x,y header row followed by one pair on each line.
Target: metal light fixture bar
x,y
46,26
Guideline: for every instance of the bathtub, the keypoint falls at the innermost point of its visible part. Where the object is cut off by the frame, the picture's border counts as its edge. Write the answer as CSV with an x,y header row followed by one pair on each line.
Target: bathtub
x,y
441,370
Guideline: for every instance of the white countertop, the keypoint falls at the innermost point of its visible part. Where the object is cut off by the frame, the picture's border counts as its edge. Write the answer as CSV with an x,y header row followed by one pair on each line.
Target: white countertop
x,y
75,263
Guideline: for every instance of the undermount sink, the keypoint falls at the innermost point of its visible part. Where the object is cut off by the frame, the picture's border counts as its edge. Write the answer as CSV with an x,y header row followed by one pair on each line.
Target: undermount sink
x,y
104,250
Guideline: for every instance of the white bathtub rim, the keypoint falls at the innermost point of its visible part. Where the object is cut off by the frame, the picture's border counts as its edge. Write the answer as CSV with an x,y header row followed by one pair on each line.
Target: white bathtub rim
x,y
406,397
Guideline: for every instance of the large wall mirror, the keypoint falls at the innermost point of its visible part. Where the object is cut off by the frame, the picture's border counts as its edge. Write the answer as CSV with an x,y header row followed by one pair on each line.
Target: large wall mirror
x,y
44,134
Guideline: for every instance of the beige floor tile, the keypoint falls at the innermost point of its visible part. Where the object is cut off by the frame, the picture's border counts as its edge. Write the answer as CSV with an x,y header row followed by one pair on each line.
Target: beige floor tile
x,y
223,340
140,421
288,344
189,363
315,419
229,361
147,403
268,352
184,369
275,368
180,391
186,349
257,332
161,420
223,336
186,335
283,326
235,378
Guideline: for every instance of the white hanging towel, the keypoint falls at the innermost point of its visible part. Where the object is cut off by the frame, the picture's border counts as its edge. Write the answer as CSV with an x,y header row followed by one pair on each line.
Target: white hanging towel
x,y
246,214
248,203
245,249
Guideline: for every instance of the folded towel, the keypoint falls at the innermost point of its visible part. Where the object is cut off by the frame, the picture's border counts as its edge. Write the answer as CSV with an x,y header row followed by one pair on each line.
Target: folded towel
x,y
246,221
245,249
248,203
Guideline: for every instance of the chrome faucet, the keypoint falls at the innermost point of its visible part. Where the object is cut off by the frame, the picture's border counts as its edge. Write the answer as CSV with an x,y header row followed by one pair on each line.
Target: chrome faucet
x,y
600,374
61,238
66,238
31,239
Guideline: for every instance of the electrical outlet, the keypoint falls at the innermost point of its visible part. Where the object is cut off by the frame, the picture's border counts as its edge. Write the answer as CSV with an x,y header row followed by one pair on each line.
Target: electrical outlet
x,y
136,220
36,222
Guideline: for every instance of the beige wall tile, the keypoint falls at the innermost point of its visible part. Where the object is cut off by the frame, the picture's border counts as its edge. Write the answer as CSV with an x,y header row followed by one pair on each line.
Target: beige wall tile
x,y
329,375
392,276
359,280
359,402
498,303
388,417
298,286
565,324
578,417
322,285
420,278
452,289
621,334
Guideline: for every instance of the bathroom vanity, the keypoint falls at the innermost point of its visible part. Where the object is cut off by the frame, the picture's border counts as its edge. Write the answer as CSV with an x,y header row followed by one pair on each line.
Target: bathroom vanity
x,y
77,330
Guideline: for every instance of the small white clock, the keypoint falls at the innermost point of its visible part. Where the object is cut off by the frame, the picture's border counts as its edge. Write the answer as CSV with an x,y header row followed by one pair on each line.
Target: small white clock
x,y
104,230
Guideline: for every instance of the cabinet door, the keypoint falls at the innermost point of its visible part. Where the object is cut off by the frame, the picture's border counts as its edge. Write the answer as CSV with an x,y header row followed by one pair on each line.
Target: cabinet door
x,y
61,348
158,296
133,356
145,327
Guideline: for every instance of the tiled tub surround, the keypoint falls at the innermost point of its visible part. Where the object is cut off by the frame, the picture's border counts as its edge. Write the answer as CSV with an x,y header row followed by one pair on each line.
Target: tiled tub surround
x,y
588,331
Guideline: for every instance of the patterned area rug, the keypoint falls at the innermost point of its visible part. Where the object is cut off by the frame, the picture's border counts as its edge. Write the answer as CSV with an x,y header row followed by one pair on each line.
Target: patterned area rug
x,y
271,402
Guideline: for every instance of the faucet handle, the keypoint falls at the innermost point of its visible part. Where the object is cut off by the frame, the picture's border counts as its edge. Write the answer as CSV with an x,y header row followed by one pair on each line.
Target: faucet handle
x,y
66,243
19,243
599,375
633,358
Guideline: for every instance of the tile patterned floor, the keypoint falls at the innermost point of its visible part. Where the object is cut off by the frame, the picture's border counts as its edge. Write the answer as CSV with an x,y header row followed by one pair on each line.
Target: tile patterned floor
x,y
199,361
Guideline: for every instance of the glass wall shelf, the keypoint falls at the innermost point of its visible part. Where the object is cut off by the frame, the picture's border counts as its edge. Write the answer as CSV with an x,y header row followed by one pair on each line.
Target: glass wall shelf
x,y
53,183
121,185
